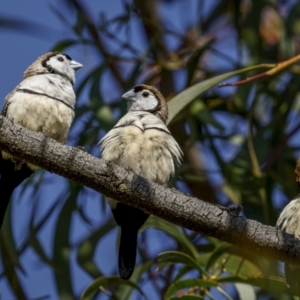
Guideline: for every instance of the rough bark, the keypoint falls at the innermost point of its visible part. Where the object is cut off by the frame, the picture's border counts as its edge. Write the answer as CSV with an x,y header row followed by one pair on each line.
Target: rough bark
x,y
169,204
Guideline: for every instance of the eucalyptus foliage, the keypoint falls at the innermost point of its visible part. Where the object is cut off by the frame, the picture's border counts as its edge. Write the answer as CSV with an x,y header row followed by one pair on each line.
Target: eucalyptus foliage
x,y
240,146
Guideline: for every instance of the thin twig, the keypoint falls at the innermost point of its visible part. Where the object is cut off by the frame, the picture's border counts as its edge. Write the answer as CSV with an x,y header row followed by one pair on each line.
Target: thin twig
x,y
275,70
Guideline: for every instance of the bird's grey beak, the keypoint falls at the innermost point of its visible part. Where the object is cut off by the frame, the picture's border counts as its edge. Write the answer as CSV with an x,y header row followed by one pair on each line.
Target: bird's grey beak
x,y
129,96
75,65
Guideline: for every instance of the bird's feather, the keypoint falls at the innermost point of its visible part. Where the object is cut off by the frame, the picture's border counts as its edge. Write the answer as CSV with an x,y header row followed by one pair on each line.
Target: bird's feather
x,y
142,142
44,101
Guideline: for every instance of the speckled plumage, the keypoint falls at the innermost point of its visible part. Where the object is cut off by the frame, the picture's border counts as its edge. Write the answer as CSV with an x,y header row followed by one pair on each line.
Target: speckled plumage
x,y
40,112
289,222
142,142
289,219
44,101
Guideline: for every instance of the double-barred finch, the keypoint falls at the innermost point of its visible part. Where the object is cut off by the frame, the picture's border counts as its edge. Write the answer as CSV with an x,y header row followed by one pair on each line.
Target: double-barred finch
x,y
142,142
44,101
289,222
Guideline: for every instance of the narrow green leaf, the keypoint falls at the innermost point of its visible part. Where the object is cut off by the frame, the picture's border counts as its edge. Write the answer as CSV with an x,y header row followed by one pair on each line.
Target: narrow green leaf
x,y
9,270
202,113
175,232
7,234
38,248
238,266
219,250
223,293
107,282
173,257
180,101
86,249
188,283
125,291
272,283
231,192
268,283
183,271
193,62
61,247
95,73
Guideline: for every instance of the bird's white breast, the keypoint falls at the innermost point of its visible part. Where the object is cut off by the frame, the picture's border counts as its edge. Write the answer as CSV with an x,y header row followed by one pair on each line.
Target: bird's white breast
x,y
143,143
41,113
145,153
53,85
289,219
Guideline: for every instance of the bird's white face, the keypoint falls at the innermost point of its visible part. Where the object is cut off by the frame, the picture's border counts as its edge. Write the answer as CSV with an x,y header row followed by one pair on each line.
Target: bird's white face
x,y
63,65
141,100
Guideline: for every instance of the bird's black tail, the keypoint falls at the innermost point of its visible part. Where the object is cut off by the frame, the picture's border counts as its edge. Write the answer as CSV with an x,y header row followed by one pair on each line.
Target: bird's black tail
x,y
127,251
130,219
9,180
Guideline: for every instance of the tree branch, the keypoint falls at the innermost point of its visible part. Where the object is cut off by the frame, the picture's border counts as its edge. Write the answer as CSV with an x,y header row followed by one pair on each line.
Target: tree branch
x,y
125,186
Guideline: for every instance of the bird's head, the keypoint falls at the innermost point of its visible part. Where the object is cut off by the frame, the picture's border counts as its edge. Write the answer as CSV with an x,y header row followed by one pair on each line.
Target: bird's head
x,y
56,63
147,98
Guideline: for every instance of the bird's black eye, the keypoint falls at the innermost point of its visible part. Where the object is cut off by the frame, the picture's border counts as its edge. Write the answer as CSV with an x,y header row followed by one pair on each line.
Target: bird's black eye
x,y
60,58
145,94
